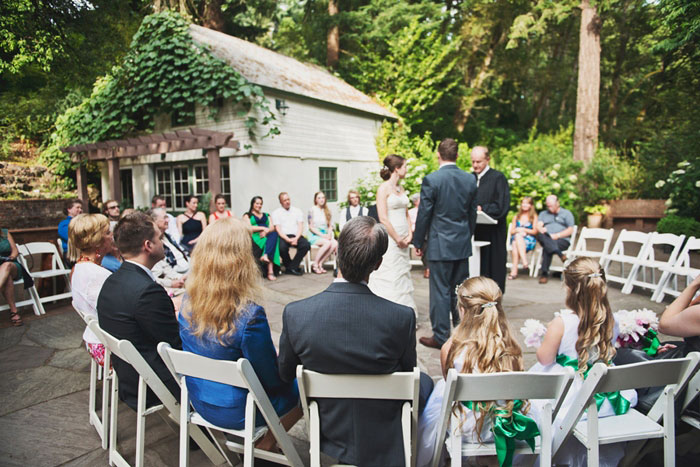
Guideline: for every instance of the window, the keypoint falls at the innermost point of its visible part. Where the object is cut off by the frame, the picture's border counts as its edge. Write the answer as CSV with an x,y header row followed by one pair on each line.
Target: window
x,y
174,183
164,186
201,179
127,184
328,182
226,180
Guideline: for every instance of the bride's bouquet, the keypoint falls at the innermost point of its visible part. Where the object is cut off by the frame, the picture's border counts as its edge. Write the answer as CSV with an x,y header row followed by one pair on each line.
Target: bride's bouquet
x,y
533,330
638,330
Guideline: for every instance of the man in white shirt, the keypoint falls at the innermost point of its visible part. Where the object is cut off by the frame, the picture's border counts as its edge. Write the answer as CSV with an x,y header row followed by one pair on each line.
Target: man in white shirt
x,y
158,201
352,210
289,223
171,271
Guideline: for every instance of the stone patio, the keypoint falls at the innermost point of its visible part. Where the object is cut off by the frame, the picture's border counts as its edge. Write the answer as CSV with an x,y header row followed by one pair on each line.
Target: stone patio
x,y
44,374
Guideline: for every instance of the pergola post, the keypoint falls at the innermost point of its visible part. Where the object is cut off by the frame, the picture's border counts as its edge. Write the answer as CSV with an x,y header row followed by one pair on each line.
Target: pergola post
x,y
81,181
115,186
214,169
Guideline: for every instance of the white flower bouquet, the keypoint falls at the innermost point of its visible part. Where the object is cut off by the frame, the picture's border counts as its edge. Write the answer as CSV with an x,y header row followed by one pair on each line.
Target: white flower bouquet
x,y
638,330
533,330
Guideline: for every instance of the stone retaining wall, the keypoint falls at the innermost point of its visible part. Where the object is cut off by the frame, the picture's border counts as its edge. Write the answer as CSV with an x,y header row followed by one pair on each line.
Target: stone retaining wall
x,y
31,213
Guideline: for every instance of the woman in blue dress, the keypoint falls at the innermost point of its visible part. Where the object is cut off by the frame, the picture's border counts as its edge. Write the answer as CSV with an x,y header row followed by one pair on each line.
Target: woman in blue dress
x,y
220,319
191,223
523,235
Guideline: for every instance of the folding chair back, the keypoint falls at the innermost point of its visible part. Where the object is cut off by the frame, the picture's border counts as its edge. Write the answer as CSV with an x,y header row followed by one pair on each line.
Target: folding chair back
x,y
629,249
33,299
631,425
650,262
395,386
147,379
536,263
682,267
584,247
238,374
689,380
57,269
499,386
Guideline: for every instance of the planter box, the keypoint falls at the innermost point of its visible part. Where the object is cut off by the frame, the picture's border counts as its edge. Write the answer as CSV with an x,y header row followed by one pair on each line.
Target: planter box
x,y
636,214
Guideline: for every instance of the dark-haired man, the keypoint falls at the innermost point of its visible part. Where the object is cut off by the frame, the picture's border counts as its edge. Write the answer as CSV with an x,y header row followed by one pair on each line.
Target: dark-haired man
x,y
132,306
348,329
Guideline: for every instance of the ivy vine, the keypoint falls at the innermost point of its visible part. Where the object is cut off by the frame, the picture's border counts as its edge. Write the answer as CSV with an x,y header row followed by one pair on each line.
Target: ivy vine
x,y
164,72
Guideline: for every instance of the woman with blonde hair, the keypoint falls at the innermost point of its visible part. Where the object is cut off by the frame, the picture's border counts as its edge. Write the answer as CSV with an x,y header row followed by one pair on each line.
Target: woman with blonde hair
x,y
523,235
89,240
321,232
579,336
220,319
482,343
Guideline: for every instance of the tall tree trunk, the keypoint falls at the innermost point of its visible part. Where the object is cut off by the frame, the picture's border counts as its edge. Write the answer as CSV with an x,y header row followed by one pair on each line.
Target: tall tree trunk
x,y
212,16
588,94
333,49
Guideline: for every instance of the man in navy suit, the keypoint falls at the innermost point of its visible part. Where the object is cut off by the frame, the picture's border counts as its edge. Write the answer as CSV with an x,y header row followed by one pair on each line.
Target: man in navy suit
x,y
346,329
447,214
132,306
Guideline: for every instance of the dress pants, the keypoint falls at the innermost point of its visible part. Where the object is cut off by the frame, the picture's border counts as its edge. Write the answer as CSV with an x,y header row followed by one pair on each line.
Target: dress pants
x,y
302,248
444,277
550,247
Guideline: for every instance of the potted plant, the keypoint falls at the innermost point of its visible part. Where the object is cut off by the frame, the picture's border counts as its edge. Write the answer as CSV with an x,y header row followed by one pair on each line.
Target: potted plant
x,y
595,215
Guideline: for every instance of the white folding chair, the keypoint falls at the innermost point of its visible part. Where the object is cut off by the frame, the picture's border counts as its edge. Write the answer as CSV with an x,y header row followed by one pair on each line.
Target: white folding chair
x,y
33,299
649,261
681,268
147,379
57,269
400,386
630,426
584,248
692,392
536,263
630,249
312,254
59,246
238,374
498,386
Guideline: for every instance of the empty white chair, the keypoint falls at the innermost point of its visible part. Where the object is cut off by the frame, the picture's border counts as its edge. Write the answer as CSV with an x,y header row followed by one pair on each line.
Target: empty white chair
x,y
536,263
57,269
630,249
395,386
584,247
239,374
147,379
681,268
649,261
632,425
499,386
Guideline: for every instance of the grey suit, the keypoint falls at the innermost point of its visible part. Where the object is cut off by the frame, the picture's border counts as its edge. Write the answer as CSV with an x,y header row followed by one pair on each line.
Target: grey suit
x,y
447,212
347,329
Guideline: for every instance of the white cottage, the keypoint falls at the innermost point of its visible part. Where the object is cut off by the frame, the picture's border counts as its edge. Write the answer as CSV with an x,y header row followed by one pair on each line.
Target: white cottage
x,y
327,141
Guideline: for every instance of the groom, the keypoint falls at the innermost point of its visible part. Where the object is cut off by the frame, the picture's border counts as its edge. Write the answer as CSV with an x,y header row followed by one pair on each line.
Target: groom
x,y
447,213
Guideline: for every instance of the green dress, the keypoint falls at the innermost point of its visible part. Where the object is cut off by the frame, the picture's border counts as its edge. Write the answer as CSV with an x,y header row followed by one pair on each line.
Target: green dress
x,y
6,250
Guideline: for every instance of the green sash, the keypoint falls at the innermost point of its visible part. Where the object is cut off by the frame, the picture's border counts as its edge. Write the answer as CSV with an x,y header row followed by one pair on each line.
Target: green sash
x,y
619,403
260,241
650,342
506,429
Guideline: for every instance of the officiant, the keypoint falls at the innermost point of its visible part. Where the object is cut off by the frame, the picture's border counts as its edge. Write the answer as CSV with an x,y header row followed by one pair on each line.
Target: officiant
x,y
493,198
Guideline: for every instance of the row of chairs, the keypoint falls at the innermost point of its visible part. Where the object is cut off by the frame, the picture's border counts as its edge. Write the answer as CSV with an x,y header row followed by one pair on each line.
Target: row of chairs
x,y
57,269
635,256
675,375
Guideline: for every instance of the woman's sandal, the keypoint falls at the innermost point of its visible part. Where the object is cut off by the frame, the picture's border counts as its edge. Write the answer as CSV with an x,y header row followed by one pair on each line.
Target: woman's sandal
x,y
16,319
318,269
264,259
271,277
512,276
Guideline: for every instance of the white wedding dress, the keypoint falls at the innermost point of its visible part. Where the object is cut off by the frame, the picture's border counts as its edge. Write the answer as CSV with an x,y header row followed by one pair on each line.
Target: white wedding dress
x,y
393,278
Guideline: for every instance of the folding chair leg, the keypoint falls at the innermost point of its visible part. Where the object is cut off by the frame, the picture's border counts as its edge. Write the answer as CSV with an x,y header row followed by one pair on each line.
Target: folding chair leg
x,y
248,446
456,445
106,379
184,424
592,425
113,454
315,441
669,431
37,301
546,436
140,422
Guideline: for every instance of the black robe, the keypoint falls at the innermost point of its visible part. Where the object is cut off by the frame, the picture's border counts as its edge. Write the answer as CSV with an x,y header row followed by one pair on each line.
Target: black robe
x,y
493,195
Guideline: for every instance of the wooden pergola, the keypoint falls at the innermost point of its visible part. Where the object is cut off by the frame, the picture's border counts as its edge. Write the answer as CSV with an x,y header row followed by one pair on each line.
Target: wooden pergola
x,y
158,143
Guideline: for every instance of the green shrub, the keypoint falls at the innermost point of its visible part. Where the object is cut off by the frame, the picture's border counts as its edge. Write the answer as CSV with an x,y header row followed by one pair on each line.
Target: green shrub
x,y
683,190
679,225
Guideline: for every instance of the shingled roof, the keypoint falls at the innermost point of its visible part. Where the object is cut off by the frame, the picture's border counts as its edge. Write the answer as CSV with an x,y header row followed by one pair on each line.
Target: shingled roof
x,y
276,71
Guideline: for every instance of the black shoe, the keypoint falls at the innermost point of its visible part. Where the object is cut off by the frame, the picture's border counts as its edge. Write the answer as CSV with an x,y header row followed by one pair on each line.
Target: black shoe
x,y
295,272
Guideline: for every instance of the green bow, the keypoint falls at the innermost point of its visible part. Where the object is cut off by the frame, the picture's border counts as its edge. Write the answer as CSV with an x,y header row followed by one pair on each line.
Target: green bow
x,y
650,342
620,404
508,428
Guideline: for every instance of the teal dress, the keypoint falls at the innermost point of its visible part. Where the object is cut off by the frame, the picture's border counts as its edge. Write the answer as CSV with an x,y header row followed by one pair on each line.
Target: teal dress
x,y
6,250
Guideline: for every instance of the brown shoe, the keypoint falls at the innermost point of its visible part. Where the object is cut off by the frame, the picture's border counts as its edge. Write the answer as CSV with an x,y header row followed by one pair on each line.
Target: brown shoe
x,y
430,342
426,273
543,279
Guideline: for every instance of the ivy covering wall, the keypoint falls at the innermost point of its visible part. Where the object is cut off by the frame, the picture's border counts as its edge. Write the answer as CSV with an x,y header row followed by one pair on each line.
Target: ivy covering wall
x,y
164,72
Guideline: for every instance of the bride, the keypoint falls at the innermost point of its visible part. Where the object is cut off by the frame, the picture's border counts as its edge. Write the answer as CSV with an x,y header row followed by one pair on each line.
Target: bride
x,y
393,278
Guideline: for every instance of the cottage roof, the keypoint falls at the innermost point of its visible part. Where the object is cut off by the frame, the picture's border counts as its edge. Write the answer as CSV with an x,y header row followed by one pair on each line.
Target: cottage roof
x,y
276,71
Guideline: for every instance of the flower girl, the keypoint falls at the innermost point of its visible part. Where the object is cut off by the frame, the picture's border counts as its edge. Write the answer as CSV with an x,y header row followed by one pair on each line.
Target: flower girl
x,y
578,337
481,343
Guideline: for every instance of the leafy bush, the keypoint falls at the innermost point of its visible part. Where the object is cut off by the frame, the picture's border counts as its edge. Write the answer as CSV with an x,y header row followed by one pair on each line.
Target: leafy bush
x,y
683,190
679,225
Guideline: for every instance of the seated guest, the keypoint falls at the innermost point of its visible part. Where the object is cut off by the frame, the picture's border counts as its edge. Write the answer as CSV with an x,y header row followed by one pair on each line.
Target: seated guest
x,y
348,329
11,270
71,208
353,209
190,223
111,210
220,211
89,237
111,259
321,232
523,230
171,271
266,240
289,223
220,319
132,306
158,201
554,228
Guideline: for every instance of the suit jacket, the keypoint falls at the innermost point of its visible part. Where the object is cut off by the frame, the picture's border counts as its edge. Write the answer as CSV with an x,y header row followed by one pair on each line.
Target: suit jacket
x,y
447,213
132,306
346,329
